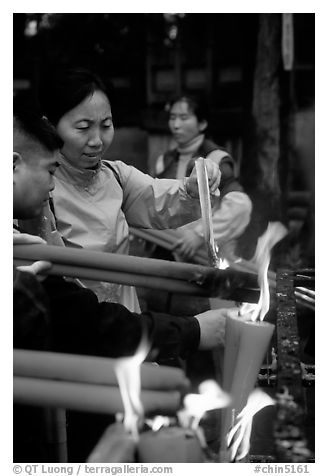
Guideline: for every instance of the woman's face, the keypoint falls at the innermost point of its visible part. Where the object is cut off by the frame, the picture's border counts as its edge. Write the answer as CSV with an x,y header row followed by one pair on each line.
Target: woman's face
x,y
183,123
87,131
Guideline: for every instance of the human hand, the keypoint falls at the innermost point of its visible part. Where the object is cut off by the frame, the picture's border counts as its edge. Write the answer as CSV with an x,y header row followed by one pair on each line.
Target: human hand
x,y
212,327
214,177
36,268
26,239
188,244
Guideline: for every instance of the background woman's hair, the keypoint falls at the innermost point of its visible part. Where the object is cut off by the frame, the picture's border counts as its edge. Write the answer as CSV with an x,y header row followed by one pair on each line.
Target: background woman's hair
x,y
197,105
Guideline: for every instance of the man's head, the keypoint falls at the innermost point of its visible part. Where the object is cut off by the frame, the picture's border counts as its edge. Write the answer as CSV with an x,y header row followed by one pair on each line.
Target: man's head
x,y
36,149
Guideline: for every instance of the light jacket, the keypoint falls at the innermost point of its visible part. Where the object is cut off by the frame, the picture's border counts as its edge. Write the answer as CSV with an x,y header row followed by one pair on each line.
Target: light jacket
x,y
94,209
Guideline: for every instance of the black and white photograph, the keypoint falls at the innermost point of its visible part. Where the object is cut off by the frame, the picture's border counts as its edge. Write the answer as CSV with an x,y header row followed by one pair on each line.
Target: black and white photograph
x,y
163,306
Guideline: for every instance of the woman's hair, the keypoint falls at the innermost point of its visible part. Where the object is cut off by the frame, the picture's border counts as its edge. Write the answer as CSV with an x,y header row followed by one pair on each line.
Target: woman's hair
x,y
196,104
64,90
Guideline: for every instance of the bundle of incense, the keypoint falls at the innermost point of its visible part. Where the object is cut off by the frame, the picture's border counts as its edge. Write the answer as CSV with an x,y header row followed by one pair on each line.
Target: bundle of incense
x,y
175,277
158,237
114,262
89,397
91,370
170,445
152,282
245,348
168,239
115,446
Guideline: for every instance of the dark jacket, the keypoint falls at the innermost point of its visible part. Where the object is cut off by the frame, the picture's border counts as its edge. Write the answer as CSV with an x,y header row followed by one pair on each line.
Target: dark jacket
x,y
78,323
228,181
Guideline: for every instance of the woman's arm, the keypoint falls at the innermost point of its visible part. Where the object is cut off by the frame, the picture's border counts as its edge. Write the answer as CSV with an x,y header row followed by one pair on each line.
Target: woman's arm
x,y
160,203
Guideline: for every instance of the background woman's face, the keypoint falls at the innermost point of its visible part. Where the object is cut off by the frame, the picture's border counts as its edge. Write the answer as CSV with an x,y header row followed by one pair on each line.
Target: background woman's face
x,y
183,123
87,131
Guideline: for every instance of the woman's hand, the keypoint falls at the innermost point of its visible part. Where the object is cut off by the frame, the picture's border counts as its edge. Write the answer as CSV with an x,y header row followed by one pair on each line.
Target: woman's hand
x,y
188,244
214,177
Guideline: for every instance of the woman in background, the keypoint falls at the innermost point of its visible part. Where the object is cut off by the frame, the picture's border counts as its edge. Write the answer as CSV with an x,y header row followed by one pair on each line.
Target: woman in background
x,y
188,122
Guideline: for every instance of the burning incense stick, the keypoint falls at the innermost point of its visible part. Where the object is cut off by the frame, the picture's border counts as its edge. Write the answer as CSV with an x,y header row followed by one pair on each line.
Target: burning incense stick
x,y
127,371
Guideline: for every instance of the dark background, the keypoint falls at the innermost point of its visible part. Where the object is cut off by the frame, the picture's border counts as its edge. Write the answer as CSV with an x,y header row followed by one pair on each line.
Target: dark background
x,y
233,60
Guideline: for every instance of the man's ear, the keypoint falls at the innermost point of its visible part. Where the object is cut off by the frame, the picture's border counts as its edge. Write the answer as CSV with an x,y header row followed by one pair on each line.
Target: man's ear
x,y
203,125
17,159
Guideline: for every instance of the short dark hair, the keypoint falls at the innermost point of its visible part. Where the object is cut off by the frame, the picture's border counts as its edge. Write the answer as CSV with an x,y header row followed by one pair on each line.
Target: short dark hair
x,y
28,120
198,105
64,89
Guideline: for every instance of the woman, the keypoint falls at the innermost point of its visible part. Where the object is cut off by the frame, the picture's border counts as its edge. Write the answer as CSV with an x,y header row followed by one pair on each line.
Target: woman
x,y
96,200
231,214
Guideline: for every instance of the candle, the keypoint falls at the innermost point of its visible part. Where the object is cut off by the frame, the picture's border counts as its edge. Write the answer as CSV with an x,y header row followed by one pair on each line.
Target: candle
x,y
246,345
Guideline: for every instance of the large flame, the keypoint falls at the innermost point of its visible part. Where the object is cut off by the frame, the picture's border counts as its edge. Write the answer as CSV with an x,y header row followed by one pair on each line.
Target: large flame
x,y
238,438
210,397
274,233
127,371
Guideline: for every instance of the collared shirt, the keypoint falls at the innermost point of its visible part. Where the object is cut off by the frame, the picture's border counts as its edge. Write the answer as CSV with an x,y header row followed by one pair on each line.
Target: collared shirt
x,y
94,210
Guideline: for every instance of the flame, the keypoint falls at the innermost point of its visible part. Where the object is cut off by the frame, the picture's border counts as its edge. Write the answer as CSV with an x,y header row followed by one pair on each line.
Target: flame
x,y
223,263
238,438
127,370
274,233
210,397
158,422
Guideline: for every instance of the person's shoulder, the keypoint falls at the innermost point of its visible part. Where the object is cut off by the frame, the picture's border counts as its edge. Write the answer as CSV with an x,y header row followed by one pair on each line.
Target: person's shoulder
x,y
218,156
208,147
116,164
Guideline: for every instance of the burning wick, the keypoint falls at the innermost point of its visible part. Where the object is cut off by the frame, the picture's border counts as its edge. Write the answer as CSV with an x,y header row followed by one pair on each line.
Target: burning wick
x,y
238,438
